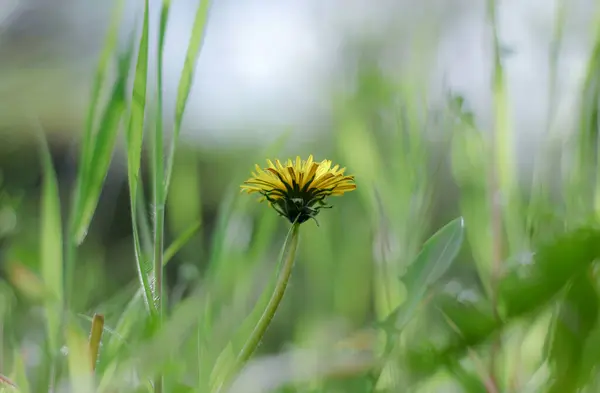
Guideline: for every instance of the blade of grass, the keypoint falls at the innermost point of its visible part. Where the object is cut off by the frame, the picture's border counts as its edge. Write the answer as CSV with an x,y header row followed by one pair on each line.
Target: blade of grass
x,y
158,183
186,80
80,193
101,156
144,224
51,257
87,146
504,221
135,134
103,146
180,242
543,165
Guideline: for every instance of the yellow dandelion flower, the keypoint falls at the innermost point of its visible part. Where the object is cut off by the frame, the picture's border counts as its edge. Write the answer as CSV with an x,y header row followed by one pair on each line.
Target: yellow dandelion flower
x,y
297,190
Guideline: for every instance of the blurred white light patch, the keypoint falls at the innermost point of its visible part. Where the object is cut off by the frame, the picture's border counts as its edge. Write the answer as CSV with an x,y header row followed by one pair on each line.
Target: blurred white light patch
x,y
301,366
258,69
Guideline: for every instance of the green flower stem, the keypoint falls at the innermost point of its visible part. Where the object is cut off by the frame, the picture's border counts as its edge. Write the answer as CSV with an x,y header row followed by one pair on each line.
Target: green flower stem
x,y
288,257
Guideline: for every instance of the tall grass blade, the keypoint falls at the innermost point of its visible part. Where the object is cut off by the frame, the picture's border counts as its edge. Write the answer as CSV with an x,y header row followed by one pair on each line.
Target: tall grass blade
x,y
186,80
181,241
134,137
51,257
103,146
87,146
158,183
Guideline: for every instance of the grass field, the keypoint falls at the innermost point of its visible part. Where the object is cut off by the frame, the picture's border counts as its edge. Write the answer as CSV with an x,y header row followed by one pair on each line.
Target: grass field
x,y
396,289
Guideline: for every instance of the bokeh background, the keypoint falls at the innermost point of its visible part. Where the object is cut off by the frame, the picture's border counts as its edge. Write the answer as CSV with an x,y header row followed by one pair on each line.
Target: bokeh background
x,y
401,92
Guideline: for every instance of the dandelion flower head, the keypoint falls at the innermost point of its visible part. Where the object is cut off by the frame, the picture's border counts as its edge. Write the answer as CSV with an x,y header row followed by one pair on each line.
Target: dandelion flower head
x,y
297,190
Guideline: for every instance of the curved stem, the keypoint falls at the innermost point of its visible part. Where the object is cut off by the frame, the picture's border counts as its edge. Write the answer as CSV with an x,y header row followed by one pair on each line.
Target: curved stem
x,y
288,257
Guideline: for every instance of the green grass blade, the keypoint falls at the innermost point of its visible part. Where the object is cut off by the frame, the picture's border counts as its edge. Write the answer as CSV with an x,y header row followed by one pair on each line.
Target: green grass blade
x,y
135,134
157,150
104,143
87,146
504,181
51,258
186,80
180,241
158,184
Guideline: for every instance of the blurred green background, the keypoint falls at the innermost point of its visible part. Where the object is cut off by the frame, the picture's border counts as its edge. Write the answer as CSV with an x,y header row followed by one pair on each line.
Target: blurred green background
x,y
463,262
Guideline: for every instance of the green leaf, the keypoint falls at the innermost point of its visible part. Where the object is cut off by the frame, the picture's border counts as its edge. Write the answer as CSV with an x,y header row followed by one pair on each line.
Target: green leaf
x,y
51,258
520,292
435,258
532,285
575,320
471,322
467,324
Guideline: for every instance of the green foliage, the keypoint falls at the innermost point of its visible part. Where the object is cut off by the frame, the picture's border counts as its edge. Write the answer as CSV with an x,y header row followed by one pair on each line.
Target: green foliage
x,y
390,293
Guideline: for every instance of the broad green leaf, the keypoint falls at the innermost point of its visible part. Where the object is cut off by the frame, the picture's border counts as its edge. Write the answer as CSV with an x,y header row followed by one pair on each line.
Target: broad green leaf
x,y
466,324
471,322
520,293
577,316
51,257
435,258
533,284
